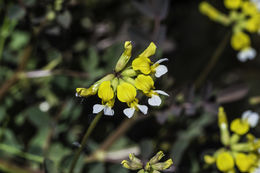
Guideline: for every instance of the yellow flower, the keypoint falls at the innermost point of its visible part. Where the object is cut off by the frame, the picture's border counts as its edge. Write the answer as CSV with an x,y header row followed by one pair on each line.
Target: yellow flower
x,y
245,162
144,64
232,4
146,84
239,127
240,40
249,8
106,93
253,24
225,161
126,93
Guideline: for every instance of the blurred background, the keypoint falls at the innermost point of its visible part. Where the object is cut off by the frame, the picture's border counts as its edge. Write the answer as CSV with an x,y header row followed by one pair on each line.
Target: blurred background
x,y
49,48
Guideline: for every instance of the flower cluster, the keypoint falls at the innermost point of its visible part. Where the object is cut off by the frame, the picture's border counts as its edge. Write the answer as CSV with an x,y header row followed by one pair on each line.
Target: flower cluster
x,y
125,81
244,16
241,149
153,166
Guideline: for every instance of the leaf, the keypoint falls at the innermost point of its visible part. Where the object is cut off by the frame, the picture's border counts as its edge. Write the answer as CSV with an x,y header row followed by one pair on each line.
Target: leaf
x,y
117,168
49,166
64,19
186,136
147,148
2,113
38,118
16,12
18,40
10,139
97,168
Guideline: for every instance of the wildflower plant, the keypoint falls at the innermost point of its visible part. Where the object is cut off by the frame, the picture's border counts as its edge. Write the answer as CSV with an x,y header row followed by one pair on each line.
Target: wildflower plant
x,y
241,149
243,17
152,166
126,80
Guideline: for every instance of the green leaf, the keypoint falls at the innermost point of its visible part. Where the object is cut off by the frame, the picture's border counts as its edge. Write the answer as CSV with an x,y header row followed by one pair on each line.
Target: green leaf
x,y
2,113
38,118
15,12
147,148
64,19
49,166
97,168
117,168
18,40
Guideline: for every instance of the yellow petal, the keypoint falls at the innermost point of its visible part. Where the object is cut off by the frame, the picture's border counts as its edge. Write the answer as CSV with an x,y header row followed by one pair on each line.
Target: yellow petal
x,y
149,51
142,64
239,127
240,40
249,8
225,161
126,92
105,91
144,83
245,162
232,4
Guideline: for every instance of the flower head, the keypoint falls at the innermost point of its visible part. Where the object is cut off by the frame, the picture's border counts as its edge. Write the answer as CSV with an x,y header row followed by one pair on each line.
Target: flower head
x,y
243,155
154,164
243,17
125,81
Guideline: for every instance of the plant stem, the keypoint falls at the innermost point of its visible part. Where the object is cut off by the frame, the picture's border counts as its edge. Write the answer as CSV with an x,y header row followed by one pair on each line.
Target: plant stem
x,y
216,55
17,152
84,140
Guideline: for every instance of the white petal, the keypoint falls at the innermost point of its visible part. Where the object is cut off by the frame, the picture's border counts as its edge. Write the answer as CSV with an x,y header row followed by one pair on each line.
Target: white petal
x,y
161,92
161,60
143,108
257,170
108,111
246,114
160,70
246,54
129,112
155,100
253,119
98,108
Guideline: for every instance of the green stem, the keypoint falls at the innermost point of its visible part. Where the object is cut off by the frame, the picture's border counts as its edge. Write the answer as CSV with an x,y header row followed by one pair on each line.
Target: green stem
x,y
203,75
22,154
84,141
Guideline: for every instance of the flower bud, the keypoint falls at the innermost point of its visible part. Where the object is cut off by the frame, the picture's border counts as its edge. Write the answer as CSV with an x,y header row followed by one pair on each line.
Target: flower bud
x,y
129,73
209,159
135,159
156,158
162,165
114,83
222,122
124,58
131,165
129,80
